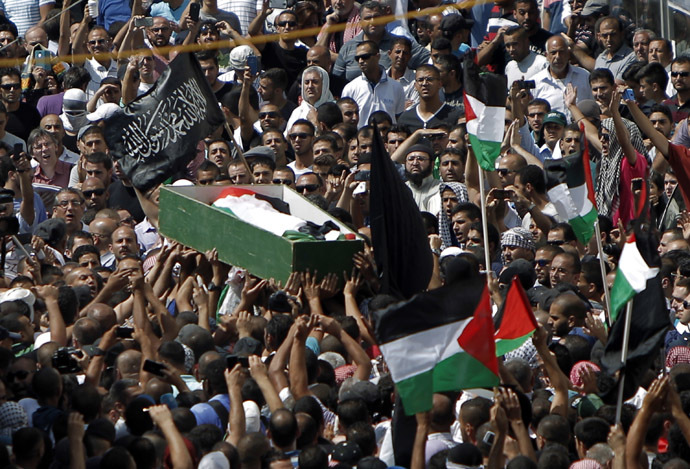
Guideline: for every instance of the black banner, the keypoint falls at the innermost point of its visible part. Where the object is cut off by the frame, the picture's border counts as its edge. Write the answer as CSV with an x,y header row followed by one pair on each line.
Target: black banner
x,y
156,135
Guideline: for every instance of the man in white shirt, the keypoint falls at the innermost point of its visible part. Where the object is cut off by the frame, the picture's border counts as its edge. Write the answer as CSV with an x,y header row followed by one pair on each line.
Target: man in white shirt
x,y
525,63
97,42
373,90
552,81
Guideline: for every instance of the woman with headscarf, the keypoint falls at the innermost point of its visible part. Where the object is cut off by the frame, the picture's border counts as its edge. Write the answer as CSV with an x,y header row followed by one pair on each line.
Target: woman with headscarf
x,y
622,160
452,194
315,92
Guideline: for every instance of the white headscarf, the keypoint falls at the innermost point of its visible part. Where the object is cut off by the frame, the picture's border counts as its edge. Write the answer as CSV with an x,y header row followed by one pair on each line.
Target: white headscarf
x,y
303,109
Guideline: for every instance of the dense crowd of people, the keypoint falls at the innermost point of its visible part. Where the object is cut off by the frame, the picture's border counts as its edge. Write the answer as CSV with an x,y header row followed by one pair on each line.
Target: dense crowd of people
x,y
121,348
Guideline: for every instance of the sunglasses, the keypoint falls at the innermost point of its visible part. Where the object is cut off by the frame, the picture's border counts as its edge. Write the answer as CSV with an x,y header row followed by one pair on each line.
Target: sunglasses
x,y
680,74
98,192
504,172
269,114
558,242
307,188
363,57
9,86
542,262
287,182
605,137
282,24
207,28
301,135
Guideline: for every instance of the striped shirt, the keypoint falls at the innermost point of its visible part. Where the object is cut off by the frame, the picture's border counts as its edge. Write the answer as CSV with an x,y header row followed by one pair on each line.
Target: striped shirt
x,y
24,13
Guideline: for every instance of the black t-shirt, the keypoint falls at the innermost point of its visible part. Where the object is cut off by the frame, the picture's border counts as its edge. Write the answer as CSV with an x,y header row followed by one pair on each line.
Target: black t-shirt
x,y
287,109
292,61
537,43
124,197
227,87
448,115
22,121
456,99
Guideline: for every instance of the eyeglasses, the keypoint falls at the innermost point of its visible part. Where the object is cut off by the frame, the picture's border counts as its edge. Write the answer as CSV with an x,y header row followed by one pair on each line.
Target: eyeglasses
x,y
422,80
363,57
208,29
504,172
542,262
300,135
307,188
9,86
421,159
287,182
89,194
270,114
680,74
67,203
282,24
97,42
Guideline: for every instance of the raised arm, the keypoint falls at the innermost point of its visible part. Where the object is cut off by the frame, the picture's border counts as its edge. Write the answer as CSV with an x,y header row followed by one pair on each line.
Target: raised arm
x,y
646,127
179,454
236,420
559,404
354,350
622,133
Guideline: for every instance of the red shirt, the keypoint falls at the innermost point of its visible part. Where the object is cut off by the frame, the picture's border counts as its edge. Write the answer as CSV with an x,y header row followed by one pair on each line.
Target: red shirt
x,y
626,207
60,178
679,158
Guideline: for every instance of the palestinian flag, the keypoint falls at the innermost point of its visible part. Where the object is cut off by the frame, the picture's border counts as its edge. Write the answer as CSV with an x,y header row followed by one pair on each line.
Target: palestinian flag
x,y
515,321
437,341
485,111
648,324
569,187
631,277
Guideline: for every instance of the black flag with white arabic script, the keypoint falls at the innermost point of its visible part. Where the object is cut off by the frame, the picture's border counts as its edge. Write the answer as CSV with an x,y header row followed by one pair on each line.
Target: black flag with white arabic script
x,y
156,135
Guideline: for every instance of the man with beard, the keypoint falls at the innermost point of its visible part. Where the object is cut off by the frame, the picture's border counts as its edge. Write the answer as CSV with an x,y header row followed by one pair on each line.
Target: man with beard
x,y
301,136
124,243
542,263
272,86
419,161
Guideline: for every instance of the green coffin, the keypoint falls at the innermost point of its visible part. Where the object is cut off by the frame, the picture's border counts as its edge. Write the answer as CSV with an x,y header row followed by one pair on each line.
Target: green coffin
x,y
187,217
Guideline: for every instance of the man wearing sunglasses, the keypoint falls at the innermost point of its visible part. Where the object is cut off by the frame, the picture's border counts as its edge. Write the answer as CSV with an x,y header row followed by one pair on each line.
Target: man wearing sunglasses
x,y
95,194
374,90
97,42
680,80
310,183
283,53
22,118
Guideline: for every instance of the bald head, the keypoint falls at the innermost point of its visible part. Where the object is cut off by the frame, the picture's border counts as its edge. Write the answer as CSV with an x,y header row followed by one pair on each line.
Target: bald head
x,y
102,230
319,55
128,364
103,314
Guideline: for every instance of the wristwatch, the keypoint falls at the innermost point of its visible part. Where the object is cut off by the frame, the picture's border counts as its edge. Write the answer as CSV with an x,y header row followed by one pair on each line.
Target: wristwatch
x,y
213,287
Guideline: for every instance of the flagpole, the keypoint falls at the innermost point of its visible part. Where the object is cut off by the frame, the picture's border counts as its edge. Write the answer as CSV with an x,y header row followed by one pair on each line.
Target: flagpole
x,y
602,266
485,224
624,358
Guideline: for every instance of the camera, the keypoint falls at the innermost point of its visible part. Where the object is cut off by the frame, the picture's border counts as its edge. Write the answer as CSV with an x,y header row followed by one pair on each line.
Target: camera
x,y
64,361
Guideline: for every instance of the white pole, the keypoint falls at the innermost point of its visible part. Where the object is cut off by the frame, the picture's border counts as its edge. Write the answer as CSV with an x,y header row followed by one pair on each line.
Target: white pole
x,y
485,224
624,358
602,266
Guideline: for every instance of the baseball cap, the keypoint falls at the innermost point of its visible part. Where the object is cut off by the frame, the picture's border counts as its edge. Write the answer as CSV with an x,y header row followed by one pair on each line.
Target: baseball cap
x,y
555,117
595,7
103,111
